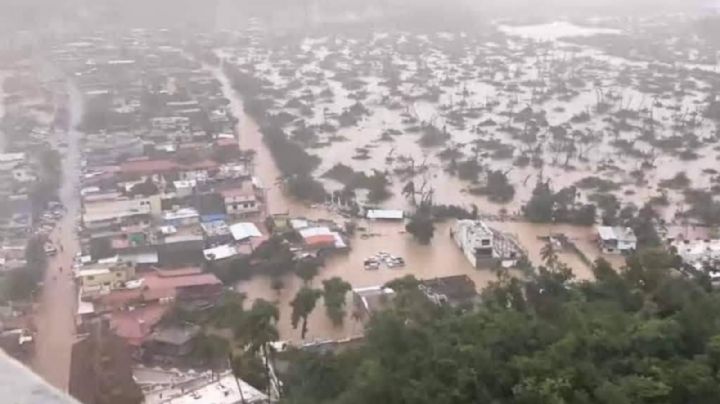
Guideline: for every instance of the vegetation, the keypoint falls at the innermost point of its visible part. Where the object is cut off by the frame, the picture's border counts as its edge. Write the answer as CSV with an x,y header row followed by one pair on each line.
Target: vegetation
x,y
641,335
547,207
334,291
421,224
498,188
21,283
302,306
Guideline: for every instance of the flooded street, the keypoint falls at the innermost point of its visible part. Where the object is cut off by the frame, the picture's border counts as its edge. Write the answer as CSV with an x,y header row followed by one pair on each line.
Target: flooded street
x,y
250,138
55,317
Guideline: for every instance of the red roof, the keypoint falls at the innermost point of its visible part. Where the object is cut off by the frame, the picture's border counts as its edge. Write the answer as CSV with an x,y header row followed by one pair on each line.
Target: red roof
x,y
134,326
320,240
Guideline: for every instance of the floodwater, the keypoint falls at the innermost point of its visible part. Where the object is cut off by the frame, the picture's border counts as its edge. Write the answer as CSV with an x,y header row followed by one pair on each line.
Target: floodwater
x,y
55,317
250,138
471,88
441,258
554,30
483,81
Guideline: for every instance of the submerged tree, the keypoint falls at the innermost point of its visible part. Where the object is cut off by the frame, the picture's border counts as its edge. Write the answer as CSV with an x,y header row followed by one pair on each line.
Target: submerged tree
x,y
334,291
302,305
421,225
260,329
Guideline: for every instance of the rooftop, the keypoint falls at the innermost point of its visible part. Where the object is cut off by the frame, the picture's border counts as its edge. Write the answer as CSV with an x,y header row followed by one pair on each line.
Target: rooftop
x,y
616,233
172,386
245,230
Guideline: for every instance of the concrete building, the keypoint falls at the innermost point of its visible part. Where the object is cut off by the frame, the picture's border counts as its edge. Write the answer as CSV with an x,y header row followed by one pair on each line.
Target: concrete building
x,y
161,386
101,277
241,200
371,299
484,246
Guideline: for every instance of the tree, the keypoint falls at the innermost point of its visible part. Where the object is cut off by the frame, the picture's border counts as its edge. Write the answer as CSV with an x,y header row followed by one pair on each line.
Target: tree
x,y
260,330
548,254
146,188
498,187
642,335
302,306
308,268
211,350
334,291
421,224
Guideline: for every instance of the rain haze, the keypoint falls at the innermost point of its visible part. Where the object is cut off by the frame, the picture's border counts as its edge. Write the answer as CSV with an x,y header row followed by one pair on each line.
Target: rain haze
x,y
379,201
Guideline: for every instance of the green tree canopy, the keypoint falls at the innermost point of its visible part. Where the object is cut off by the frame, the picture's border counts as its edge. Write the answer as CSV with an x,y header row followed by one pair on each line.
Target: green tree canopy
x,y
643,334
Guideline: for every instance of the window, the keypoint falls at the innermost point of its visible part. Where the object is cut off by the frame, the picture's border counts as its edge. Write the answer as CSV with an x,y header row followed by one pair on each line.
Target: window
x,y
485,242
90,278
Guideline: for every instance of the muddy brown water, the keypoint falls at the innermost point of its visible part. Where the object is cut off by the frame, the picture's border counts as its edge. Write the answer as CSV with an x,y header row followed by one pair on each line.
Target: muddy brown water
x,y
441,258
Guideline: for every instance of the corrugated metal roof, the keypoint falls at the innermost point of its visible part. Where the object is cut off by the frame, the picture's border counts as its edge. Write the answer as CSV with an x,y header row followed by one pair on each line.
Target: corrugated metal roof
x,y
245,230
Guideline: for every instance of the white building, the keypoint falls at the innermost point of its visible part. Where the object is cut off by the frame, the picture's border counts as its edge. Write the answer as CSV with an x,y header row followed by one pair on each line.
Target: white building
x,y
484,246
616,240
241,200
160,386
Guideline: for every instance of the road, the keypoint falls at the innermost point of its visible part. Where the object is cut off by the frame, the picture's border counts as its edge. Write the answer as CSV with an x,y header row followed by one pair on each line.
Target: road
x,y
55,317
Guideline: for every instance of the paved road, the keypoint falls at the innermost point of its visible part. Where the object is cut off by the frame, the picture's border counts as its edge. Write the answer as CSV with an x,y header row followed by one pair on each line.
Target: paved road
x,y
55,318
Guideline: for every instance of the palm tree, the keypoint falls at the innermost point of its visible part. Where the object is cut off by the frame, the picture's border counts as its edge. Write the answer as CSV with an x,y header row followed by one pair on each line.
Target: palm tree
x,y
548,254
334,291
303,305
260,330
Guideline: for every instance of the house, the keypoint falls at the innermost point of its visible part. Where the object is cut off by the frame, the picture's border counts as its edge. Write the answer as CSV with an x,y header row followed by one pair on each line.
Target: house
x,y
217,232
616,240
369,300
221,253
485,246
171,341
321,238
165,386
99,277
181,217
244,231
241,200
99,212
188,283
457,290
